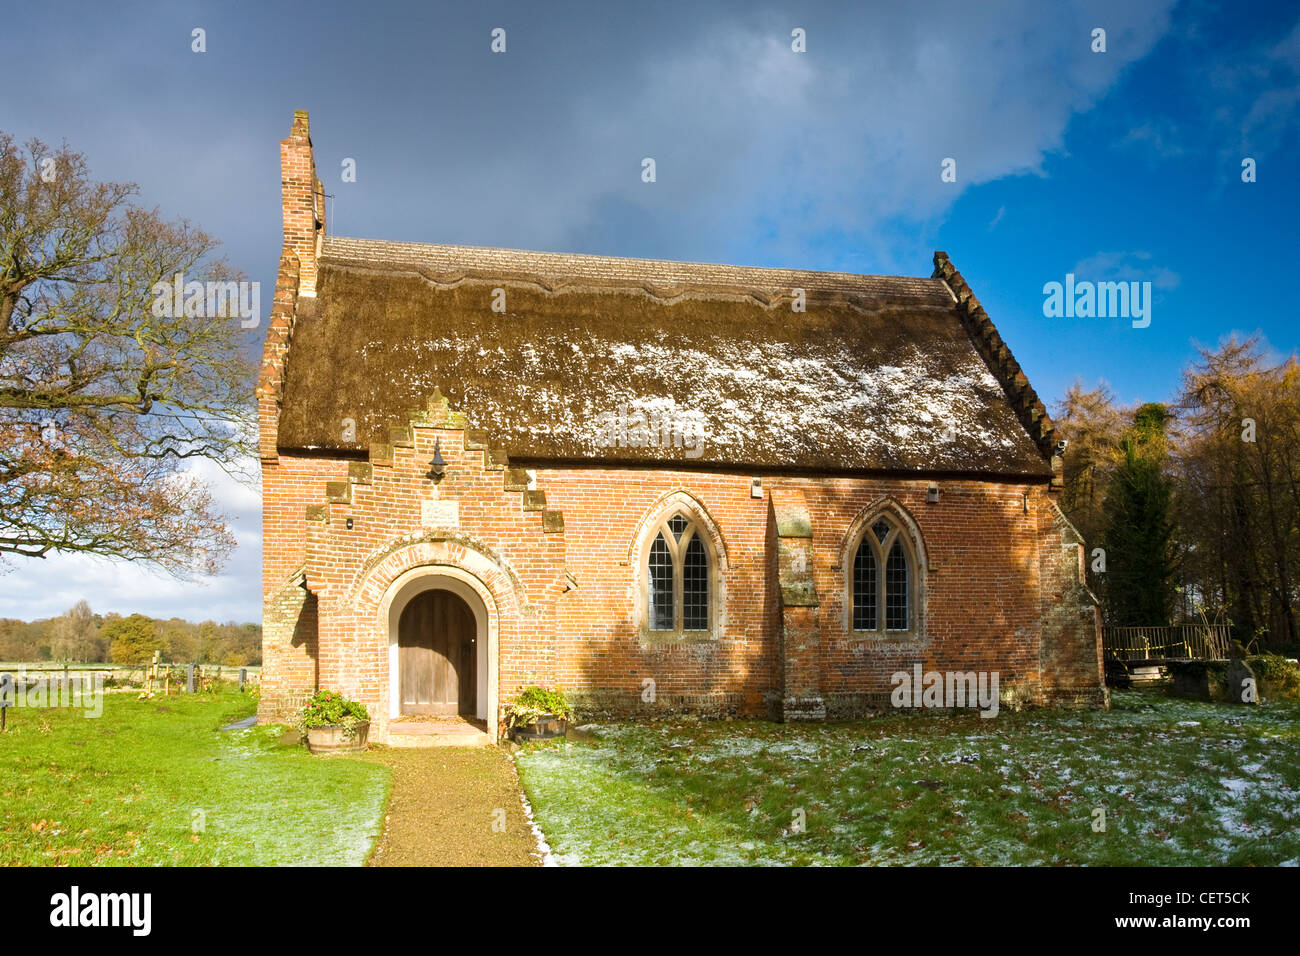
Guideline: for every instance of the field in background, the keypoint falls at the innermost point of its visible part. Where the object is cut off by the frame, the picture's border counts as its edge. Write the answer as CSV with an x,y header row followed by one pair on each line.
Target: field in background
x,y
207,676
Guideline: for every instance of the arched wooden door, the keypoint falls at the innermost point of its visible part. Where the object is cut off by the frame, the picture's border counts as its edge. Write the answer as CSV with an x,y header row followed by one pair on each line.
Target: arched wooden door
x,y
436,654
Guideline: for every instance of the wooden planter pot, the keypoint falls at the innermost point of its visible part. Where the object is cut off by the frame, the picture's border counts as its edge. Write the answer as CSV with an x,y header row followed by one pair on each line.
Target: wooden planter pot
x,y
544,727
335,739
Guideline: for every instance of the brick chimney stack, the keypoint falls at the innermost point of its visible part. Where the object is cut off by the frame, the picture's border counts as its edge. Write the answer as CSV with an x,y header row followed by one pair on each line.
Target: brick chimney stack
x,y
302,202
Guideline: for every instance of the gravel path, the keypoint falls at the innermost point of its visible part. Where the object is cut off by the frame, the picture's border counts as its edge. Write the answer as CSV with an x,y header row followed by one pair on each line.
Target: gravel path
x,y
453,806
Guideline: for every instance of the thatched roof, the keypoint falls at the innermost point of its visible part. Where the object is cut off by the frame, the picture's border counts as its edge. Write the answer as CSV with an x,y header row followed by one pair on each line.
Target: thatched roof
x,y
878,374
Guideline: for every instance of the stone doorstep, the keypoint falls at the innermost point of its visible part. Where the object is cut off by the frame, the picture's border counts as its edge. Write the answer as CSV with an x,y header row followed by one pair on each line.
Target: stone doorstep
x,y
433,732
433,727
474,738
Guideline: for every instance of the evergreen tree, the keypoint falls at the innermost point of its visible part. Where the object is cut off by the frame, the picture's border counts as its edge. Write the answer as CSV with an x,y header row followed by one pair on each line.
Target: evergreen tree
x,y
1140,555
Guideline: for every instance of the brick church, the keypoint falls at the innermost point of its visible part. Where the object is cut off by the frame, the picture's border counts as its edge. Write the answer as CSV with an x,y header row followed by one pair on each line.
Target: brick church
x,y
658,486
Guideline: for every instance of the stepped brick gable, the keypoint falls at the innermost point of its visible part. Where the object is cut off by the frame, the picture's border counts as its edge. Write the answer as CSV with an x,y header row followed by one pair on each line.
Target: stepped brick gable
x,y
657,486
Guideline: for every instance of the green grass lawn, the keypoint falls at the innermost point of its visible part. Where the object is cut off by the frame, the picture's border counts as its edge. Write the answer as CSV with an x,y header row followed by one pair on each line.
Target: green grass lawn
x,y
154,782
1180,783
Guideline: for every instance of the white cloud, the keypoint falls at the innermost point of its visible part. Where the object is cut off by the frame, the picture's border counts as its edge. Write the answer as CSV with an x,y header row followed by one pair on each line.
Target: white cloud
x,y
1159,135
1125,267
36,588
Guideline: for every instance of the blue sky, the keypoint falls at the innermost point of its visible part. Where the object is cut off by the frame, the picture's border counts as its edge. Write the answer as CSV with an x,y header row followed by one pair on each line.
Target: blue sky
x,y
1117,165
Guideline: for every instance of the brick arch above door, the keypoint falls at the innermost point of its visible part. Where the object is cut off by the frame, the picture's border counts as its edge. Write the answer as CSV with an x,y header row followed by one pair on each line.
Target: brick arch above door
x,y
381,595
382,567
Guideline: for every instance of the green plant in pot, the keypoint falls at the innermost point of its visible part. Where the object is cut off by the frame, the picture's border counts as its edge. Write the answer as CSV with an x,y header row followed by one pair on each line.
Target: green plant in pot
x,y
332,723
538,713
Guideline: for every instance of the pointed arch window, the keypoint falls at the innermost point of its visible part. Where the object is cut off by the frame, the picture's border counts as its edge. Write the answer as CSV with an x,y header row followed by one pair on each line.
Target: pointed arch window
x,y
680,576
882,581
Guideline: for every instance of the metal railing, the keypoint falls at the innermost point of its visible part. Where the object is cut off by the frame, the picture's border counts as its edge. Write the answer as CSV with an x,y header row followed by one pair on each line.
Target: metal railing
x,y
1183,641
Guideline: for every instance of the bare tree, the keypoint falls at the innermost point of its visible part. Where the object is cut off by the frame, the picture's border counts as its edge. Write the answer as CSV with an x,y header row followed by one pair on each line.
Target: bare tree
x,y
1239,463
75,636
102,399
1094,426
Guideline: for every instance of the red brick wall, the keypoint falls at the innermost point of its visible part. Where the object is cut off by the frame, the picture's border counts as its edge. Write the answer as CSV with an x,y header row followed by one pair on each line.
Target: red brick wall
x,y
1071,654
980,583
986,547
497,532
982,609
600,645
301,200
289,669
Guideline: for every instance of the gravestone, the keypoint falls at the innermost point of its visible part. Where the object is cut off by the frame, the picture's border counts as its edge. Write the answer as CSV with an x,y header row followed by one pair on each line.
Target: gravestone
x,y
189,678
1242,686
1191,679
243,676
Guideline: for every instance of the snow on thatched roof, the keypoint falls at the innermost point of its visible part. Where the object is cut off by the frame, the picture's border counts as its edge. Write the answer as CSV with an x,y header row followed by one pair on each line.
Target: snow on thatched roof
x,y
878,374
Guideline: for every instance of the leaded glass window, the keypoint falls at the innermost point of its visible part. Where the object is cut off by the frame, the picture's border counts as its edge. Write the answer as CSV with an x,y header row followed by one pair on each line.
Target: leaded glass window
x,y
680,580
896,588
864,588
881,580
695,586
661,585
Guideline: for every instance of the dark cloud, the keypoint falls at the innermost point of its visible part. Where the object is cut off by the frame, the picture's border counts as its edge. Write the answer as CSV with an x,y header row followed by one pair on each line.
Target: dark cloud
x,y
826,159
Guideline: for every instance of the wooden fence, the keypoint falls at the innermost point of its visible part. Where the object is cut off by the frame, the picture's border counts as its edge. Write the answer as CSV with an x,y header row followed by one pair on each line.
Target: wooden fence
x,y
130,675
1177,641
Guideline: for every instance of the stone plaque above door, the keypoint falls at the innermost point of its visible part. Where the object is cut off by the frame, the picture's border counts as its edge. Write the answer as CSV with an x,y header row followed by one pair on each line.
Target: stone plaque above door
x,y
440,514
